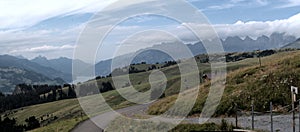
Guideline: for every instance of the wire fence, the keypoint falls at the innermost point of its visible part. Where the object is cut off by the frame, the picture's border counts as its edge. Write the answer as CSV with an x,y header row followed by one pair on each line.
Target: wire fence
x,y
266,119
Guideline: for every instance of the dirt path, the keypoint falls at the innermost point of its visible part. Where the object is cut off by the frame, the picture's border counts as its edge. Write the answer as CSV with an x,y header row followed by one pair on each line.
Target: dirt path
x,y
103,120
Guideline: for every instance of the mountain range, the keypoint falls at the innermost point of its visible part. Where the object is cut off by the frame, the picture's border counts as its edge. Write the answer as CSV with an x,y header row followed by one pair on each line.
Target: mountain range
x,y
275,41
60,70
230,44
40,70
61,64
11,61
151,56
11,76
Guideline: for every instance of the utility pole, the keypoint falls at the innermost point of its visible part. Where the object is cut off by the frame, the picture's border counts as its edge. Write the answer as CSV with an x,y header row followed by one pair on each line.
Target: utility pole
x,y
252,112
271,110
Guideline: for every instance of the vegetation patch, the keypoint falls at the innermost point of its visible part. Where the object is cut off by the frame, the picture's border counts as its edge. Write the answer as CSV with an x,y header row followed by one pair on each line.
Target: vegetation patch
x,y
270,82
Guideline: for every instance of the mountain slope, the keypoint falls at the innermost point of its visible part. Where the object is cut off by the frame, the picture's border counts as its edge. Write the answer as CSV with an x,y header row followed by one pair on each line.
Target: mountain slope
x,y
271,82
10,77
294,45
149,56
10,61
61,64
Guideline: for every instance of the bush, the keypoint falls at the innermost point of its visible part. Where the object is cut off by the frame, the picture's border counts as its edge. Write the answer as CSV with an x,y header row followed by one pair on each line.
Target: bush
x,y
196,127
32,123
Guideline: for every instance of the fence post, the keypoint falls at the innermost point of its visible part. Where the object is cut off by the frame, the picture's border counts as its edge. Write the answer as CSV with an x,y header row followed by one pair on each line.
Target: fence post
x,y
294,91
252,111
293,109
299,114
236,116
271,110
293,112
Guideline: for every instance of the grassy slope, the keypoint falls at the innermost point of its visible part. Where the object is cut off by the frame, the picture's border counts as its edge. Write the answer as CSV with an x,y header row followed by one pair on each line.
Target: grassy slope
x,y
60,126
58,108
69,111
271,82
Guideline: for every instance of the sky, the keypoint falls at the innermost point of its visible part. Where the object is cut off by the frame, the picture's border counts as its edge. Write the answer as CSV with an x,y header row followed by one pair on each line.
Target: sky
x,y
51,27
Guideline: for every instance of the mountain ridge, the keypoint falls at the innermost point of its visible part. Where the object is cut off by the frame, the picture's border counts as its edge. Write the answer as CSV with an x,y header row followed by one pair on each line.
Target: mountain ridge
x,y
11,61
230,44
62,64
293,45
12,76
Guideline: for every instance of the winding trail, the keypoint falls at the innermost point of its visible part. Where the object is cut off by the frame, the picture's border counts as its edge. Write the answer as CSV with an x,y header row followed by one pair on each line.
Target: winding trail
x,y
103,120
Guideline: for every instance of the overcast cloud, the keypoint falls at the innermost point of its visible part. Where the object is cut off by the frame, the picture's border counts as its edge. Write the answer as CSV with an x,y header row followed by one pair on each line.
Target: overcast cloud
x,y
17,17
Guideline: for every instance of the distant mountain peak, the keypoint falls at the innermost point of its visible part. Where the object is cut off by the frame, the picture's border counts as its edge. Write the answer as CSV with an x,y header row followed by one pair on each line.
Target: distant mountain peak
x,y
247,38
63,58
20,57
264,36
62,64
233,38
277,34
40,57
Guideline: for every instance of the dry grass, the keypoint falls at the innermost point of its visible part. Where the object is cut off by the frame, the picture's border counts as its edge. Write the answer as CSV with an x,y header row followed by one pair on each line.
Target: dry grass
x,y
270,82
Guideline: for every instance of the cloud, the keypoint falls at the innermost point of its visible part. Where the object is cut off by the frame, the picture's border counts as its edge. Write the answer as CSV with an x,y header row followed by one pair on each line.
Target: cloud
x,y
254,29
18,14
235,3
54,42
142,40
44,48
290,3
262,2
220,7
24,38
194,0
28,43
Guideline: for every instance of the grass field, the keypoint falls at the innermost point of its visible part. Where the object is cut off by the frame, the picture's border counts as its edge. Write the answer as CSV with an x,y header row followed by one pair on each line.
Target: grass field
x,y
63,115
271,82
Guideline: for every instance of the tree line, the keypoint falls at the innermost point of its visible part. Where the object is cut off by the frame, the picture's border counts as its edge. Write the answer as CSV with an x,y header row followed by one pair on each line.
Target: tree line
x,y
26,95
10,125
232,57
133,68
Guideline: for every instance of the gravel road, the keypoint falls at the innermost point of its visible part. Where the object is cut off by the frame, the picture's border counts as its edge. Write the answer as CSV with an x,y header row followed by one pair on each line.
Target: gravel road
x,y
281,123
